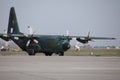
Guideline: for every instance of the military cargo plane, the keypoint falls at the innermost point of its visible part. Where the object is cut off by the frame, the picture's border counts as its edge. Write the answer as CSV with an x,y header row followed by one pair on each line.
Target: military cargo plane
x,y
47,44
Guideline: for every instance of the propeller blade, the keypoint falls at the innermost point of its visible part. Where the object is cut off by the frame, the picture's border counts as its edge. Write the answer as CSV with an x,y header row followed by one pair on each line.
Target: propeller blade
x,y
36,41
28,43
30,30
88,34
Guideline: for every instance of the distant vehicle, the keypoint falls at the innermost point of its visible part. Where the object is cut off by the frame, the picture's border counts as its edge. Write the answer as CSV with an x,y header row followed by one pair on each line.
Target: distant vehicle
x,y
48,44
77,47
3,48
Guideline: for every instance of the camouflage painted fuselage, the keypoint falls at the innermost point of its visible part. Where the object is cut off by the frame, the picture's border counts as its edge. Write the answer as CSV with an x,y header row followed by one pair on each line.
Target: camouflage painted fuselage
x,y
46,43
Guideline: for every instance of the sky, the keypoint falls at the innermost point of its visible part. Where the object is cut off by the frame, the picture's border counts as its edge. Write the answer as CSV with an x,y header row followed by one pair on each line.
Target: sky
x,y
54,17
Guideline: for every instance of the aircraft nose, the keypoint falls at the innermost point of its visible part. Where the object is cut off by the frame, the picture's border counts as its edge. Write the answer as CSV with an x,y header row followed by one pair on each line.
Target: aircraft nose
x,y
66,46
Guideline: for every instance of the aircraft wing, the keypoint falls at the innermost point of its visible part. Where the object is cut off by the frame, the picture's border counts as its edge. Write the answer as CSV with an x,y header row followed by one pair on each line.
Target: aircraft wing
x,y
7,37
84,39
4,36
17,35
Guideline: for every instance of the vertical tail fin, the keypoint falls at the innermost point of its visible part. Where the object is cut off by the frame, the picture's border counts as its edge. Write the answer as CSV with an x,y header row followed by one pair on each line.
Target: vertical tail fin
x,y
13,24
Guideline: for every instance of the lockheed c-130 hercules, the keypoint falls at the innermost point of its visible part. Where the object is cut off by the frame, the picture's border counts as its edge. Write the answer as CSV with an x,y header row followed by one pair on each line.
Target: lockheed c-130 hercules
x,y
47,44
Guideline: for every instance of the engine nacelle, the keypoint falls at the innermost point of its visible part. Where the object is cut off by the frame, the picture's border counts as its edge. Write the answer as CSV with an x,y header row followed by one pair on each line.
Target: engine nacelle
x,y
34,46
83,40
66,46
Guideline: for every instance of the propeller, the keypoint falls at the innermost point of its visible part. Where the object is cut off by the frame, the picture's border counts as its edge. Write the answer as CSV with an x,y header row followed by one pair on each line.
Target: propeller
x,y
5,36
30,30
5,31
31,40
84,39
31,37
88,35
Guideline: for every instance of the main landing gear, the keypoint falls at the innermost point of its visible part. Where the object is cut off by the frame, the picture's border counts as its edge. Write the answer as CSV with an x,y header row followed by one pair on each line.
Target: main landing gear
x,y
50,53
31,52
60,53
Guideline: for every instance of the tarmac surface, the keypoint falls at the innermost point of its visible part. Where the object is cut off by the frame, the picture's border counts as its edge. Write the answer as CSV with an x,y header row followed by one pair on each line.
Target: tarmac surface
x,y
59,68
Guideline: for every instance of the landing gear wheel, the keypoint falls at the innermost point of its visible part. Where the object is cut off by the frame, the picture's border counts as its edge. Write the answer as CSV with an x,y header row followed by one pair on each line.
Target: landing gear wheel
x,y
31,52
61,53
48,54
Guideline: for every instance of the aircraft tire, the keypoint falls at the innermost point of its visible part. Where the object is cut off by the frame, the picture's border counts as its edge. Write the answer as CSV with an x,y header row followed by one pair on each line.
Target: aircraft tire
x,y
61,54
48,54
31,52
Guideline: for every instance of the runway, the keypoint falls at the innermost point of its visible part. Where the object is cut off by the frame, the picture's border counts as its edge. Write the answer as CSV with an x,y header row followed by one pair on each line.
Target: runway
x,y
59,68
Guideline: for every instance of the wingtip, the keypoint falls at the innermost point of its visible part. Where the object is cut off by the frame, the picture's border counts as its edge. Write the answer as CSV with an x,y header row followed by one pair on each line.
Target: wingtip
x,y
113,38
